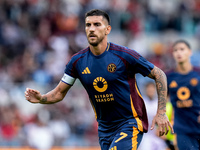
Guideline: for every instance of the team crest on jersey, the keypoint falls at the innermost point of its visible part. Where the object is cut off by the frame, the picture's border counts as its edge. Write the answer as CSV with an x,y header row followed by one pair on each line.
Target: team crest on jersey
x,y
111,68
194,81
173,84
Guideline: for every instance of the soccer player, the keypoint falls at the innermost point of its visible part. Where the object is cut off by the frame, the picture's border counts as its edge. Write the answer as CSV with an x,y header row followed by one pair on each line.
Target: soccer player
x,y
107,72
184,92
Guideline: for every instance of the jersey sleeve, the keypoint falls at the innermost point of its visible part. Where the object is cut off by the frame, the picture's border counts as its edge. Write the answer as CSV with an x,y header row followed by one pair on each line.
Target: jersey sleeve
x,y
143,66
70,74
138,63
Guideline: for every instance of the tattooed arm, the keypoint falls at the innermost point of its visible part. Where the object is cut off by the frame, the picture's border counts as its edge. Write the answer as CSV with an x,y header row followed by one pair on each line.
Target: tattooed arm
x,y
161,85
161,118
56,95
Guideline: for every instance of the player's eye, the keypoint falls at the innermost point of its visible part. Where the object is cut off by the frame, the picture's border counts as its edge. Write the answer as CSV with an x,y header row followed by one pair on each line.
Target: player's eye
x,y
182,49
97,24
87,24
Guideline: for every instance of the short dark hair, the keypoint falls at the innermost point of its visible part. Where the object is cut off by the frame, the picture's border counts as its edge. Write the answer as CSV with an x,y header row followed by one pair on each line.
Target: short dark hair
x,y
182,41
98,12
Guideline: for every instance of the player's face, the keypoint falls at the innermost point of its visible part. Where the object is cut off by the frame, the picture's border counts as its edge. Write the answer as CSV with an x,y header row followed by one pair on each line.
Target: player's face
x,y
181,53
96,28
151,90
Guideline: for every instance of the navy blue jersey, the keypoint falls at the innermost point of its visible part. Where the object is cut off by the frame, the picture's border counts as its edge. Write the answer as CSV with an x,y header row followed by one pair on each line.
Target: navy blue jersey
x,y
184,92
109,80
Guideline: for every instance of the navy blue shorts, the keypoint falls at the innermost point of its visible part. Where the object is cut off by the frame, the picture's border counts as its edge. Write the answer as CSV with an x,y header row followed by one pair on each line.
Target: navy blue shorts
x,y
188,142
126,138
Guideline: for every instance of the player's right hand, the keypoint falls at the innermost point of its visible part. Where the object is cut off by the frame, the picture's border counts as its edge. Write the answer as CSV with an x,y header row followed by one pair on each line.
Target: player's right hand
x,y
33,96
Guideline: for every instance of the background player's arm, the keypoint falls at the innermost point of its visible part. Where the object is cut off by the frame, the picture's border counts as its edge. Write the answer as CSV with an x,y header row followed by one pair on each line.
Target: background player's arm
x,y
161,118
56,95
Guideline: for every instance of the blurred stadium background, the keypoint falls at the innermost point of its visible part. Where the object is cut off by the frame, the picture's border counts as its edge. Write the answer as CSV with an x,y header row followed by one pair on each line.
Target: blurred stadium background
x,y
37,38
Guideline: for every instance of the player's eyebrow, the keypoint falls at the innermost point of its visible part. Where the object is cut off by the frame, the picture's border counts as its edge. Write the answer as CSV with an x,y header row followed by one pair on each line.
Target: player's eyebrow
x,y
95,23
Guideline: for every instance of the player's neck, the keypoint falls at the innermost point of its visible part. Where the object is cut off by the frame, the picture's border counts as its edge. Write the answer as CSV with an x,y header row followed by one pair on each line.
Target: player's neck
x,y
184,68
100,48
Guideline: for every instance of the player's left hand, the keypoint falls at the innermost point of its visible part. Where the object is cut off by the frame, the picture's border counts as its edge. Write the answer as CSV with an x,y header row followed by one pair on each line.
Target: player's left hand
x,y
163,123
32,95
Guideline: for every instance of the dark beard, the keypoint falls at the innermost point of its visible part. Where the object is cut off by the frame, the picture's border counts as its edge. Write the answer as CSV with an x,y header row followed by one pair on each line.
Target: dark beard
x,y
97,42
94,44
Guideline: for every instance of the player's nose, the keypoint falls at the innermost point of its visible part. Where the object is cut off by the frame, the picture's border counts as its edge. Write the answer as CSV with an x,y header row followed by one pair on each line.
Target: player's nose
x,y
92,28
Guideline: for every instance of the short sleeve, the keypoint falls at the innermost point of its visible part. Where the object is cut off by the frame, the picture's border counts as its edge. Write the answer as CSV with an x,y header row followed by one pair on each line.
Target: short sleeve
x,y
70,74
70,68
143,66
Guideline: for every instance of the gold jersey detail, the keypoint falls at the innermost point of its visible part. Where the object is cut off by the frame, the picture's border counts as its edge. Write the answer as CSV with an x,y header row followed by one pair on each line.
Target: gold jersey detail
x,y
183,93
103,82
86,71
135,115
104,98
111,68
194,81
173,84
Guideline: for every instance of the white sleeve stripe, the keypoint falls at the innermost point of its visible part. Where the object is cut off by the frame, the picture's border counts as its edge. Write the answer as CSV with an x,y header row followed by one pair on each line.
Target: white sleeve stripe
x,y
68,79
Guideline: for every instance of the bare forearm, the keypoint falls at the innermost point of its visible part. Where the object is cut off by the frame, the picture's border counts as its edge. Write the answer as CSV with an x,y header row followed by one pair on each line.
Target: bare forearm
x,y
161,85
51,97
56,94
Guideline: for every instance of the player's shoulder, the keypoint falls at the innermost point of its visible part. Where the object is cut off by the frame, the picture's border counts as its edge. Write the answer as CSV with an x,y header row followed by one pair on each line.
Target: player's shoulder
x,y
80,54
123,51
196,69
170,72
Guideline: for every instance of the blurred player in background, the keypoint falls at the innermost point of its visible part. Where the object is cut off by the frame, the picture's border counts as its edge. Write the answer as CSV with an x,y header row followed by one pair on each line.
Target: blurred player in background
x,y
151,141
184,92
107,71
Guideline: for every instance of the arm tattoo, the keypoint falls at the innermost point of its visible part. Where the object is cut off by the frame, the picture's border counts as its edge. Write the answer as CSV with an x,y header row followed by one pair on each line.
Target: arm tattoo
x,y
43,100
51,98
54,96
161,85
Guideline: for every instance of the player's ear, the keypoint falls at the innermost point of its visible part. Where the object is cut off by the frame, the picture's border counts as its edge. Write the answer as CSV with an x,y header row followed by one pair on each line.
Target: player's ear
x,y
108,29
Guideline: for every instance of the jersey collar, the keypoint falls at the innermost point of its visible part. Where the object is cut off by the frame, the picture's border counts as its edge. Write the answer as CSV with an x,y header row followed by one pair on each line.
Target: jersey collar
x,y
104,53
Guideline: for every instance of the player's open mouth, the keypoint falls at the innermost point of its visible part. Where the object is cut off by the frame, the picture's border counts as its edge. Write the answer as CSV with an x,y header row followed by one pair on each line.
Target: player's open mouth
x,y
92,35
